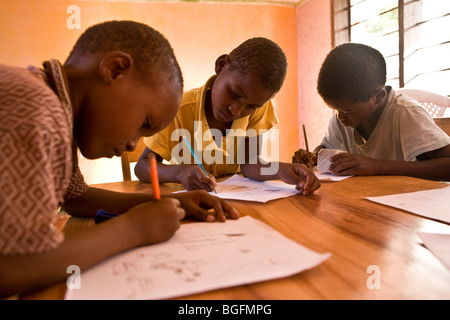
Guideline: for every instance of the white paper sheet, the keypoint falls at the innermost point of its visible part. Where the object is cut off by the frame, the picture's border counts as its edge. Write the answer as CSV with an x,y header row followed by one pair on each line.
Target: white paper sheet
x,y
438,244
433,204
326,176
199,257
239,188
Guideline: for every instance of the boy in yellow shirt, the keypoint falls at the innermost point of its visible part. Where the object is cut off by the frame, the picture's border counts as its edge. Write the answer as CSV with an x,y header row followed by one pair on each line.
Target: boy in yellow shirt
x,y
224,120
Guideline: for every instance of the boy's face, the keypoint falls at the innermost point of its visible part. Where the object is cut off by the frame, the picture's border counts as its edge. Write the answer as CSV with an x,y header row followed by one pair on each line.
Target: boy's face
x,y
352,113
114,117
236,95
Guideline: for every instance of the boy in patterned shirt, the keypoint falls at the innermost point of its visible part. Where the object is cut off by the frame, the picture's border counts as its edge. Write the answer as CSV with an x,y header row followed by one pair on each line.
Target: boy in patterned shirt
x,y
120,82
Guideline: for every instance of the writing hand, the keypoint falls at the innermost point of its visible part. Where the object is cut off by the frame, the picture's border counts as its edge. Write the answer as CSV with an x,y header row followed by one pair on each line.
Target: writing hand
x,y
155,221
307,158
198,204
193,178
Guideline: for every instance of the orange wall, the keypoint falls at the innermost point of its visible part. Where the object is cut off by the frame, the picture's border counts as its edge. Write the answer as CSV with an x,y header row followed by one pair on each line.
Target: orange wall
x,y
314,39
33,31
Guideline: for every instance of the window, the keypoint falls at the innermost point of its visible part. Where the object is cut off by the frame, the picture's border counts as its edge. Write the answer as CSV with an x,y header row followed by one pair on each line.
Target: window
x,y
413,36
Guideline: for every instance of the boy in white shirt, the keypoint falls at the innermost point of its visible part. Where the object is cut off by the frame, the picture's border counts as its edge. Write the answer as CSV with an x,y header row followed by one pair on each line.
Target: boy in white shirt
x,y
383,132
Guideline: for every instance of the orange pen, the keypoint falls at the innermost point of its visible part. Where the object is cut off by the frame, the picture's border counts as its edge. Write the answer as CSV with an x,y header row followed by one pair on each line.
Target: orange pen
x,y
154,176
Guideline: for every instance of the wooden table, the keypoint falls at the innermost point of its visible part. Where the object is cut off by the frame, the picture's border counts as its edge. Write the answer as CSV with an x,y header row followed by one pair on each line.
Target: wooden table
x,y
359,233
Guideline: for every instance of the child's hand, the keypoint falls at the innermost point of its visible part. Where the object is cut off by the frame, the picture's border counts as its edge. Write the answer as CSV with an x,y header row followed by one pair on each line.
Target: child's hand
x,y
307,158
193,178
155,221
197,203
304,179
351,164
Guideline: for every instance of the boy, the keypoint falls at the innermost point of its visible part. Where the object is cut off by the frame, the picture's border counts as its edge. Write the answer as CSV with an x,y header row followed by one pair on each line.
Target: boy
x,y
120,82
225,117
384,133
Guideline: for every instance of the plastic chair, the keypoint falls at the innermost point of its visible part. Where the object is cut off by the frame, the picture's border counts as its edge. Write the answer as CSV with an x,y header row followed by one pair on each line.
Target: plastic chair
x,y
129,157
435,104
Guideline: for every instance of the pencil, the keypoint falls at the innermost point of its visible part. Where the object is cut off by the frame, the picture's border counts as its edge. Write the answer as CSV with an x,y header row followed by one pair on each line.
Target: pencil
x,y
197,161
306,138
307,148
154,176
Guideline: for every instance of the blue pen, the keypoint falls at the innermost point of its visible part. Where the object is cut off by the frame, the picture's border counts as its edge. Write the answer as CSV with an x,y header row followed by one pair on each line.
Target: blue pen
x,y
103,215
196,158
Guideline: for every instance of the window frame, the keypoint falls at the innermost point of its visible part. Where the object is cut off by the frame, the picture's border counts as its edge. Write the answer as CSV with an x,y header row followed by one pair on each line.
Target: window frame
x,y
341,30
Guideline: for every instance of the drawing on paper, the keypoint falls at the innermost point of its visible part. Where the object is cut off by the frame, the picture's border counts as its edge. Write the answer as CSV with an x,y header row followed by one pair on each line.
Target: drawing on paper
x,y
201,256
138,285
240,188
123,267
247,190
184,269
195,243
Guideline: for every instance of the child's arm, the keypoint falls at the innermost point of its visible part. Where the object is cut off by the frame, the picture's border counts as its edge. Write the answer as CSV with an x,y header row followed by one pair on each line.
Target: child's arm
x,y
95,199
195,203
148,223
436,168
190,176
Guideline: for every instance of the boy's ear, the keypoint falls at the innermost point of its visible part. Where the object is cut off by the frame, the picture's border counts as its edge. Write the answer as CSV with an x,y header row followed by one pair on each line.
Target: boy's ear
x,y
114,65
380,95
221,62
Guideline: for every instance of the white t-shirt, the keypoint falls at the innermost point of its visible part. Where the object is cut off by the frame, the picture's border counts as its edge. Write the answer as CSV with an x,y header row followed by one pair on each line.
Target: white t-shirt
x,y
404,131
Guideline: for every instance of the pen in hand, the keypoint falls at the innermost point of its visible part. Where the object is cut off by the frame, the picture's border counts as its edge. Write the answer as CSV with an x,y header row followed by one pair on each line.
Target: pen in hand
x,y
153,168
309,163
103,215
197,160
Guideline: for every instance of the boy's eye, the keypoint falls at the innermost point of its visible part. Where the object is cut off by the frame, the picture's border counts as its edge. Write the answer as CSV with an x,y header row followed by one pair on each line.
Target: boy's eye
x,y
234,94
146,124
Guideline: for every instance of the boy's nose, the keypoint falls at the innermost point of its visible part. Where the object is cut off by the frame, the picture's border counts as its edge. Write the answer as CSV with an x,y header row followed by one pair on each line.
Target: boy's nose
x,y
131,145
236,109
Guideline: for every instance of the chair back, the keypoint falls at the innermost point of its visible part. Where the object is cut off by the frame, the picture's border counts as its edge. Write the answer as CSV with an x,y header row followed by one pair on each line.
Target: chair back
x,y
435,104
129,157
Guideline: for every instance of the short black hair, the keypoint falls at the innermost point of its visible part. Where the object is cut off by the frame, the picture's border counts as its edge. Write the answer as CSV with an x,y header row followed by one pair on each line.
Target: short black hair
x,y
263,57
353,72
149,49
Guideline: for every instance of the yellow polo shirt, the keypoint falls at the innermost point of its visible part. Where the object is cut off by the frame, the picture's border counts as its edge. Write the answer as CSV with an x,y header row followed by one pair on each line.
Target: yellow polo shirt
x,y
220,156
